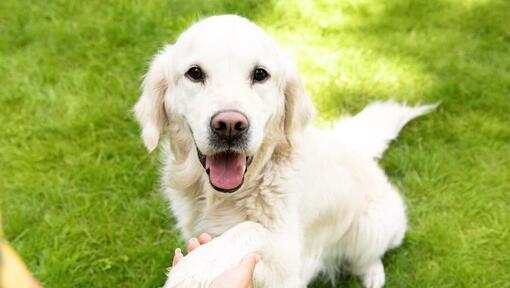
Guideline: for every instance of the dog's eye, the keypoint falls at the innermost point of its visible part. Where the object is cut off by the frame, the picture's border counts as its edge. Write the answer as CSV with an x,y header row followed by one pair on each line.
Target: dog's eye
x,y
195,74
260,75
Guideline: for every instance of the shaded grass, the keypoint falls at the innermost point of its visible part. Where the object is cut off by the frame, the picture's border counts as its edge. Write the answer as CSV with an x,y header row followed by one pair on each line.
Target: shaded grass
x,y
79,195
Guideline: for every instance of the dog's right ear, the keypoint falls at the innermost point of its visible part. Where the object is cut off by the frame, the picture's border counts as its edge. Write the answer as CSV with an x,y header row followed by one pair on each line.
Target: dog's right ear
x,y
299,110
150,110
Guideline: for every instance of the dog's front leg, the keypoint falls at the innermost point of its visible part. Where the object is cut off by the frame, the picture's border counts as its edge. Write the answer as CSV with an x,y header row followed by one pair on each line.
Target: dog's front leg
x,y
204,264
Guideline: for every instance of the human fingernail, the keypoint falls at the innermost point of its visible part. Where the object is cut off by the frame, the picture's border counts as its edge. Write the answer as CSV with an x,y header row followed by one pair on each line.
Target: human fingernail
x,y
178,251
204,238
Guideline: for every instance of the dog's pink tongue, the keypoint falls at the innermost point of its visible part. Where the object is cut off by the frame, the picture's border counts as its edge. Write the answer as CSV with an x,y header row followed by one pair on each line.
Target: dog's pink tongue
x,y
226,170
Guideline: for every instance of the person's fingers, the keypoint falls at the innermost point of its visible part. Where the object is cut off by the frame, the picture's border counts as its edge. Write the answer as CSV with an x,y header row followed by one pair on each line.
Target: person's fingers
x,y
240,276
177,256
204,238
192,244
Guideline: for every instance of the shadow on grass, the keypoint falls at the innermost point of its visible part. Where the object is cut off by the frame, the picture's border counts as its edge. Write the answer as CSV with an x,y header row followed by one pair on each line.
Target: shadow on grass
x,y
463,46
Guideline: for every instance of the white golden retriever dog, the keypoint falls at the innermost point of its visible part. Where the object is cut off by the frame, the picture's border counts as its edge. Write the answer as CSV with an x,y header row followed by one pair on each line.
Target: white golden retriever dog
x,y
244,164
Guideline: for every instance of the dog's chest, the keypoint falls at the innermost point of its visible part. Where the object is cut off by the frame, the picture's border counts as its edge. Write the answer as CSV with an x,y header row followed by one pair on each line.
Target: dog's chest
x,y
263,199
262,202
218,218
264,205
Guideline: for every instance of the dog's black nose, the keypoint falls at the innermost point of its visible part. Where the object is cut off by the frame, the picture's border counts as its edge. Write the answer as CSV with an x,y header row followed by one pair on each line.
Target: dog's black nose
x,y
229,124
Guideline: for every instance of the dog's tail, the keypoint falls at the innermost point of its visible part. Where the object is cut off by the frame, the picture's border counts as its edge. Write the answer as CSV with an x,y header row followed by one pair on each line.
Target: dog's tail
x,y
371,130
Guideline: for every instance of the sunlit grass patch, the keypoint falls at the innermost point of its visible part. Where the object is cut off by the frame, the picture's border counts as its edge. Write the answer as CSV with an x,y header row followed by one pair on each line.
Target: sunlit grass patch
x,y
342,73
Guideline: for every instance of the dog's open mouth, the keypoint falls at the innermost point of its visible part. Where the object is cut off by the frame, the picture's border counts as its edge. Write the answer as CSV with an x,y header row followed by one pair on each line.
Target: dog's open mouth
x,y
225,169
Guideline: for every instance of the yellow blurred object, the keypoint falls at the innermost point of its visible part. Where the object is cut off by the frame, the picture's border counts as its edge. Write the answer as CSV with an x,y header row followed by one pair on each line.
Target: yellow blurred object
x,y
13,273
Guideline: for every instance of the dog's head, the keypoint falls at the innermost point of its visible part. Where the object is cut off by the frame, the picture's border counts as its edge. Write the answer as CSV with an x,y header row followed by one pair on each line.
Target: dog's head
x,y
230,87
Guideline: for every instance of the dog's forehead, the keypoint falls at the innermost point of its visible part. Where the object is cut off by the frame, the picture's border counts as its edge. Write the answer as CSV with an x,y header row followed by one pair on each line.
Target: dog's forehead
x,y
226,37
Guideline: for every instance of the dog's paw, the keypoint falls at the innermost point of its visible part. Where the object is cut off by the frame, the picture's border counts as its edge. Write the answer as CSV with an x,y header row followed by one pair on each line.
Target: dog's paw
x,y
205,263
374,276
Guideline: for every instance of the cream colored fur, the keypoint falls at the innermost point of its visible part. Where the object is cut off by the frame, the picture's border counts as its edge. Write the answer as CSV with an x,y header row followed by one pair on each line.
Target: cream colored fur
x,y
313,199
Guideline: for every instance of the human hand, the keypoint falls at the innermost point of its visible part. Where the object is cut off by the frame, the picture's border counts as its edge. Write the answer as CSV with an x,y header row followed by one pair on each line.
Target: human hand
x,y
240,276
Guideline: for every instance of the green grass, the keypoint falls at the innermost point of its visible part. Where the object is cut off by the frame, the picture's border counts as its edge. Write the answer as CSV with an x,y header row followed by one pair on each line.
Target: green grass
x,y
78,193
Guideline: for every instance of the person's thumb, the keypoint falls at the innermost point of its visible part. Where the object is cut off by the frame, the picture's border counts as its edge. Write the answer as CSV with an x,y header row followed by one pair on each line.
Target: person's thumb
x,y
248,263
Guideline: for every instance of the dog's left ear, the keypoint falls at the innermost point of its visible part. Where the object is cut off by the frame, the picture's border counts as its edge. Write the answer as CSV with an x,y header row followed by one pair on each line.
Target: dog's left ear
x,y
150,108
299,110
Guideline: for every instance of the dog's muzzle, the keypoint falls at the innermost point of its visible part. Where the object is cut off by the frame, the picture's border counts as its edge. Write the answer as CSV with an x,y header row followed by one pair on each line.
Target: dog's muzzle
x,y
226,167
